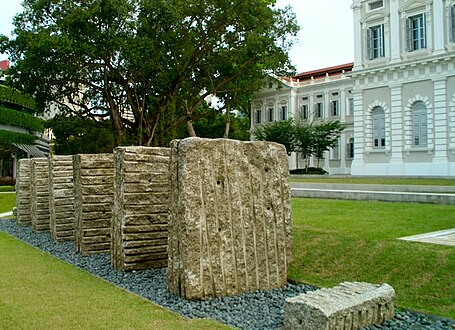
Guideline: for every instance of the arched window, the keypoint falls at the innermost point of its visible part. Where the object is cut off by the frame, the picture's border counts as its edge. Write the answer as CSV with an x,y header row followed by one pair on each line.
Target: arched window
x,y
271,111
350,149
378,128
419,125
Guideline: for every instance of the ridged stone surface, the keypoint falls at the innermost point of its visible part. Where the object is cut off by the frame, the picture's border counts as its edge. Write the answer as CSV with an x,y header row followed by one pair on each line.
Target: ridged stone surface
x,y
93,201
230,217
141,205
23,193
351,305
61,203
40,194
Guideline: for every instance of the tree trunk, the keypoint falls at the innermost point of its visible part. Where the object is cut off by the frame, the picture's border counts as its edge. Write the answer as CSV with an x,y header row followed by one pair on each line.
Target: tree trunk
x,y
191,132
228,120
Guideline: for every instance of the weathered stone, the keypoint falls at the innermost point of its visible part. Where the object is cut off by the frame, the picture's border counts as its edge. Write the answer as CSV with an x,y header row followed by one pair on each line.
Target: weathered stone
x,y
347,306
230,217
23,193
40,194
61,193
93,201
141,203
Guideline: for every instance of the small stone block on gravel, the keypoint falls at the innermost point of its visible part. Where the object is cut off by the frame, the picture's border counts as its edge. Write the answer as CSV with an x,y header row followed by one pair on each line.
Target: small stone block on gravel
x,y
347,306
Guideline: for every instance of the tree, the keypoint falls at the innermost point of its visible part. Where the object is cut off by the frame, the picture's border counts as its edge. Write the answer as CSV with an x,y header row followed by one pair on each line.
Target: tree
x,y
149,58
278,131
297,136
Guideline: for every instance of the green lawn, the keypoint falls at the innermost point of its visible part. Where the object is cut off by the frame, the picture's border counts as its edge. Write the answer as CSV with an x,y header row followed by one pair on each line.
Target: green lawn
x,y
7,202
38,291
336,241
397,181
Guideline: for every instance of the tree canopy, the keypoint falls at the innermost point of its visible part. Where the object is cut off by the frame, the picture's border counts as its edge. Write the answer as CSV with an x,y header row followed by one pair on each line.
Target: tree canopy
x,y
134,62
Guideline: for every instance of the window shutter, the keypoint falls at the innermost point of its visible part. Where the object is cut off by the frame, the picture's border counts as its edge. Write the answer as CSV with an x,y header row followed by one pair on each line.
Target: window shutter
x,y
424,32
409,44
416,130
381,34
424,129
370,44
453,24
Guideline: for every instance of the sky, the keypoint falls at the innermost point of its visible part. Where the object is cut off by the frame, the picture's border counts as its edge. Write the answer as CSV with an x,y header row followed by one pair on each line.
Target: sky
x,y
326,37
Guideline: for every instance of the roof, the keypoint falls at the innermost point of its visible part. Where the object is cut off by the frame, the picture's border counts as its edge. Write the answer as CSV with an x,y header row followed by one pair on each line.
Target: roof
x,y
321,73
4,65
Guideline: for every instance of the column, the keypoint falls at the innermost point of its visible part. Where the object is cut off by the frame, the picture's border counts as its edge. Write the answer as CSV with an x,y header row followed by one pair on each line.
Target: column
x,y
396,131
394,31
440,164
356,7
438,26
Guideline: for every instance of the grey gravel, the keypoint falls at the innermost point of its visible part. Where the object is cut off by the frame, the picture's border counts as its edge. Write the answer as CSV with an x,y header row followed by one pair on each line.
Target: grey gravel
x,y
257,310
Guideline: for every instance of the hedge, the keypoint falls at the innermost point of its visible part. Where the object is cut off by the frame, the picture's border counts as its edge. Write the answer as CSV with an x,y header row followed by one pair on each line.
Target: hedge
x,y
21,119
7,138
14,96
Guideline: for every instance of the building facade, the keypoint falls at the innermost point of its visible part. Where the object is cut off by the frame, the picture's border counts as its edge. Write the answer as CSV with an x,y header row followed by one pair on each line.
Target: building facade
x,y
399,98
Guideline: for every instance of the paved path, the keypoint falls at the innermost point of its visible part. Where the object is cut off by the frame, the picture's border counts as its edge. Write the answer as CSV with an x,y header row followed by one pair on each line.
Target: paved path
x,y
6,214
443,237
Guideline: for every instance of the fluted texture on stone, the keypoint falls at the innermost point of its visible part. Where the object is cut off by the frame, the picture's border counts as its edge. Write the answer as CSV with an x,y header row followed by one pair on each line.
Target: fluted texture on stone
x,y
93,201
141,205
40,194
23,193
351,305
230,217
61,198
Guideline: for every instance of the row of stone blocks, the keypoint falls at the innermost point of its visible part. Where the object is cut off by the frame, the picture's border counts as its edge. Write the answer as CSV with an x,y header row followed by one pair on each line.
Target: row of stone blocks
x,y
216,212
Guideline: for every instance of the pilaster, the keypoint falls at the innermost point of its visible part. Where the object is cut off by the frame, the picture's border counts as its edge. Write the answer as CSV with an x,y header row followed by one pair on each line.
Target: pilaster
x,y
440,159
396,112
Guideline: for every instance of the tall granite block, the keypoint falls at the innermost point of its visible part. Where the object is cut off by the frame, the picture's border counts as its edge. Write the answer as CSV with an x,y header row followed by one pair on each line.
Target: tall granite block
x,y
93,201
230,217
351,305
23,193
40,194
141,205
61,198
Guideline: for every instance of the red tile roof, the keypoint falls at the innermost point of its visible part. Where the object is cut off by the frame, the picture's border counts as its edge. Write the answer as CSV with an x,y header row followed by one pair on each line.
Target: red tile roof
x,y
4,65
320,73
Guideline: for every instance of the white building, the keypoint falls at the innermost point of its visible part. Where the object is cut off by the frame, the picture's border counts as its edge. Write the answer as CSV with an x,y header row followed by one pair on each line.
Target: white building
x,y
403,87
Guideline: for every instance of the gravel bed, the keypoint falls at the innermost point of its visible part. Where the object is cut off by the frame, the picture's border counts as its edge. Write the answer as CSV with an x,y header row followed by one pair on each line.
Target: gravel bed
x,y
257,310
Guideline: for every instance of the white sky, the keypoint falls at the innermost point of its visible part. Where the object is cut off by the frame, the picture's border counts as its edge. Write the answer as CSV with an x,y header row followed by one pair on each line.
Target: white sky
x,y
326,37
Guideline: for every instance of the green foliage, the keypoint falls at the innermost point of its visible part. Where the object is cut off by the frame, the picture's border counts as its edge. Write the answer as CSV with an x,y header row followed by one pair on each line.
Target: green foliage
x,y
279,131
21,119
7,138
14,96
308,139
154,58
75,135
7,189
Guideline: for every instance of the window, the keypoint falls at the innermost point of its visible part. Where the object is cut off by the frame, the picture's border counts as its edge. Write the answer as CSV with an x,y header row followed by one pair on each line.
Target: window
x,y
283,112
319,110
350,149
378,128
304,112
419,125
270,113
376,4
452,23
375,42
415,33
351,106
335,109
336,150
258,116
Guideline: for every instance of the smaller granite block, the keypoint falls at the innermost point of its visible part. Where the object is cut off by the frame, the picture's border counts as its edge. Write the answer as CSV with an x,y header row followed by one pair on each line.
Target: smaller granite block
x,y
347,306
93,200
40,194
23,193
61,198
141,203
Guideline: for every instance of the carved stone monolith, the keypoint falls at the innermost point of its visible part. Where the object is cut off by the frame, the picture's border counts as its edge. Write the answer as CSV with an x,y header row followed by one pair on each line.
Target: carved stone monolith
x,y
230,217
23,193
40,194
141,205
61,198
93,201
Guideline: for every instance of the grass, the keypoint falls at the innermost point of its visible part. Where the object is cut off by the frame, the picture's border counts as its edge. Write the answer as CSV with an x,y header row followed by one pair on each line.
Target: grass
x,y
42,292
336,241
7,202
390,181
6,188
